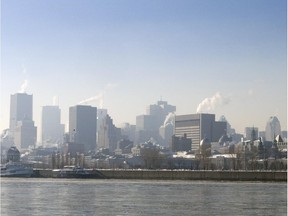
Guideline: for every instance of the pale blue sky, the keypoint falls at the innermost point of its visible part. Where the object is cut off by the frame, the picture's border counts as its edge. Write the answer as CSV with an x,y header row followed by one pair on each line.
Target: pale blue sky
x,y
134,52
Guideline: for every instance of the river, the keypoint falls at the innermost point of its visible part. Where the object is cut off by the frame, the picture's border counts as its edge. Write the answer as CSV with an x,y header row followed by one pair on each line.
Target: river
x,y
45,196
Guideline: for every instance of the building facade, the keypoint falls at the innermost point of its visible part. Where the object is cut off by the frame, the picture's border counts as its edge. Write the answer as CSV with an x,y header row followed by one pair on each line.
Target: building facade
x,y
109,135
25,134
22,129
199,126
21,107
147,126
272,129
128,131
181,143
83,126
52,129
251,133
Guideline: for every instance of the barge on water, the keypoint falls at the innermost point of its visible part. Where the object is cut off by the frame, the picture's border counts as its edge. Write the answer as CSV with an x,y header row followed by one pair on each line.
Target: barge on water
x,y
13,169
71,172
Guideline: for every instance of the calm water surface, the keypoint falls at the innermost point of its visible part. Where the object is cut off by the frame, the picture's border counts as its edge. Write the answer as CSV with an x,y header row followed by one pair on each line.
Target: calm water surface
x,y
31,196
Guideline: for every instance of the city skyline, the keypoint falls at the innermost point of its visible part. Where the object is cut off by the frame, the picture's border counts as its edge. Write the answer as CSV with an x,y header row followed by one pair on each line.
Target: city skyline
x,y
226,58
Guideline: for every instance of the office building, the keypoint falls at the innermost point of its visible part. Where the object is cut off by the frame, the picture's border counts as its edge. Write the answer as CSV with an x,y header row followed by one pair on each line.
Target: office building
x,y
272,129
147,126
83,126
21,106
181,143
109,135
159,112
251,133
261,134
22,130
52,129
25,134
128,131
199,126
101,114
230,130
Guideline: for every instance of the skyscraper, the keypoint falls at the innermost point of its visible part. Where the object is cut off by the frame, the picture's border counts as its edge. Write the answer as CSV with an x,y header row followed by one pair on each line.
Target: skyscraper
x,y
109,135
159,112
101,114
22,127
83,126
21,106
52,129
147,126
199,126
251,133
272,129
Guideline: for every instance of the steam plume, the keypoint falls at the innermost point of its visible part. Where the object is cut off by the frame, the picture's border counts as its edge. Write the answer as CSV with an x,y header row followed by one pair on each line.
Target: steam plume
x,y
4,134
55,100
169,119
209,104
100,96
24,86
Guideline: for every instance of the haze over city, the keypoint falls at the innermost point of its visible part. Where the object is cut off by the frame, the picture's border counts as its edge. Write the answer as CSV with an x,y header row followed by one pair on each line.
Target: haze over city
x,y
223,57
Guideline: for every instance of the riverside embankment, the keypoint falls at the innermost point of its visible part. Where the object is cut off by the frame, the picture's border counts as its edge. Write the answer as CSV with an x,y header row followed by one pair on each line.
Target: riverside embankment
x,y
179,175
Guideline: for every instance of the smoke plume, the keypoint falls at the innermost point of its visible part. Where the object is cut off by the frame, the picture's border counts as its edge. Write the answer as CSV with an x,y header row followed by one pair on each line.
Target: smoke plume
x,y
209,104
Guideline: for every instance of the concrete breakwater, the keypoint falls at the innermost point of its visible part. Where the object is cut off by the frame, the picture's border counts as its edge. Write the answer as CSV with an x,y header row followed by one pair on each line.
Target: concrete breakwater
x,y
179,175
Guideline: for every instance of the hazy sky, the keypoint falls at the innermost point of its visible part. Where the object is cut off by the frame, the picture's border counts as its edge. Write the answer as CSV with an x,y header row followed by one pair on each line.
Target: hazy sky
x,y
230,55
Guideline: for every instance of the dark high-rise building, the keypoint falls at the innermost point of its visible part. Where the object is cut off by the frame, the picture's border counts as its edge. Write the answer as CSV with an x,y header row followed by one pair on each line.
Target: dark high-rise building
x,y
83,126
52,129
181,143
199,126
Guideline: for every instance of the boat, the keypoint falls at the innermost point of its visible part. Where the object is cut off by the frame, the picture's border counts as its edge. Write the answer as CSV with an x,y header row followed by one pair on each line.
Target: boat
x,y
71,172
15,170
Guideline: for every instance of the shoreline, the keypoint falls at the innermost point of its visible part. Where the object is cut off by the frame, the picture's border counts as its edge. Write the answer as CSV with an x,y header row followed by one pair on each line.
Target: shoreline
x,y
225,175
